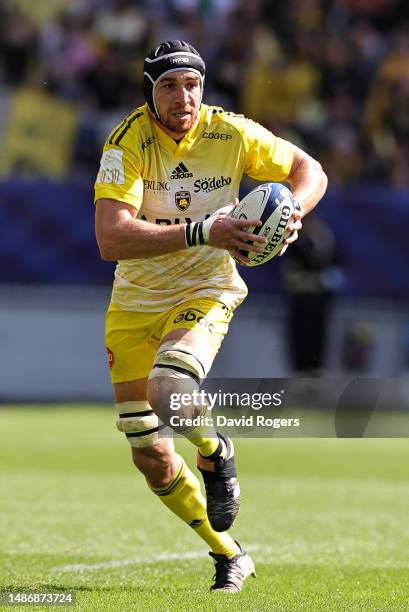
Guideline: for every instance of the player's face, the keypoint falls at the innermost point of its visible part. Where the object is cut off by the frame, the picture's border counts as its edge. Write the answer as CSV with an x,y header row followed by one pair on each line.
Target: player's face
x,y
177,98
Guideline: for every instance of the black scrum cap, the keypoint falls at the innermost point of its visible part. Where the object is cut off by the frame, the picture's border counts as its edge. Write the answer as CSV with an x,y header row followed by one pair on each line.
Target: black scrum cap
x,y
167,57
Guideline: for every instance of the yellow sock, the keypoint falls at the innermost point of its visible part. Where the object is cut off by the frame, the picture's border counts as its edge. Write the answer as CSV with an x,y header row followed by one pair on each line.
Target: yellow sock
x,y
206,446
204,436
183,497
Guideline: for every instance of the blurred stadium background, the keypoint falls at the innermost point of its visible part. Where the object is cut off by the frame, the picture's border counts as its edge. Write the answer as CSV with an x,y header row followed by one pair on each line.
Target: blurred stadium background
x,y
330,75
324,519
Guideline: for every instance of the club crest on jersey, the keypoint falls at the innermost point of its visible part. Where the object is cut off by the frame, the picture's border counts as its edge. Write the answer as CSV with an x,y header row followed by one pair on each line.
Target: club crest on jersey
x,y
182,199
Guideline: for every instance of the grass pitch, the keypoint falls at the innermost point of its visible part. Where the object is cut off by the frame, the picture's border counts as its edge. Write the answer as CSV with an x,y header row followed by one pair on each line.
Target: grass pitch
x,y
325,520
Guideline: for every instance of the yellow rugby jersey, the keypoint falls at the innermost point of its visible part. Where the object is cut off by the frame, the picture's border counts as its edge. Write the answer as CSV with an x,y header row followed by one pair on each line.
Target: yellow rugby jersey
x,y
177,183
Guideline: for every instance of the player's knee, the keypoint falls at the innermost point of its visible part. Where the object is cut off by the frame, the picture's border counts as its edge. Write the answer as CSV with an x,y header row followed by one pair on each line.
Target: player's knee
x,y
157,463
178,360
163,389
139,423
176,374
170,396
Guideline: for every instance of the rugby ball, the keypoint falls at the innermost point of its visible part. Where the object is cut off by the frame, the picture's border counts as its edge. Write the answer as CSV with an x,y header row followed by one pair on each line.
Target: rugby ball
x,y
274,205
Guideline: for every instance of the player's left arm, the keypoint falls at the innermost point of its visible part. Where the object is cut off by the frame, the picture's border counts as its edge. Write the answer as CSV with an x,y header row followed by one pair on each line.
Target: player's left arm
x,y
307,179
308,183
270,158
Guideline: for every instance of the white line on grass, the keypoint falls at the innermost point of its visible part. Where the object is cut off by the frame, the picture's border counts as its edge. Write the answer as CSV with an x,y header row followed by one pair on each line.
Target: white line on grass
x,y
168,556
391,564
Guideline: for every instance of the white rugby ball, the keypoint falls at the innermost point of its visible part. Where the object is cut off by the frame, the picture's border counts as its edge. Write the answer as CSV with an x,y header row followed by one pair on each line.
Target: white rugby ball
x,y
273,204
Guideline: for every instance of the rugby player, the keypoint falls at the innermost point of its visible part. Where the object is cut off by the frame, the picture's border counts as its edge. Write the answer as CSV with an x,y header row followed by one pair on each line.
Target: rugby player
x,y
169,175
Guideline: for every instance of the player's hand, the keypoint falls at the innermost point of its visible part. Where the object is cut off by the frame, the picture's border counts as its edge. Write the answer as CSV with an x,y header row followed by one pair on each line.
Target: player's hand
x,y
228,233
293,230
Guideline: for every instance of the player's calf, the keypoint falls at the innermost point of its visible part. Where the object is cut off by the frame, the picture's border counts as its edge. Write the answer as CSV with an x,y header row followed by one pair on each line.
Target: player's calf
x,y
159,463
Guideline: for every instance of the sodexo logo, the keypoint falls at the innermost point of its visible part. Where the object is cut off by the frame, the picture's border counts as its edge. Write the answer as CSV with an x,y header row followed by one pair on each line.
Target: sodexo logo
x,y
209,184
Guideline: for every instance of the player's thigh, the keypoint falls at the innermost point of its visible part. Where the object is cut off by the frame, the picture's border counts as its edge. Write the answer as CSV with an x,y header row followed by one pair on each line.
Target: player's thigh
x,y
191,338
199,327
131,347
187,339
131,390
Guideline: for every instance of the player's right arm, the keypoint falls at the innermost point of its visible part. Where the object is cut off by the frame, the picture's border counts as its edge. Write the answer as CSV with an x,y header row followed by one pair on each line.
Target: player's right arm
x,y
120,235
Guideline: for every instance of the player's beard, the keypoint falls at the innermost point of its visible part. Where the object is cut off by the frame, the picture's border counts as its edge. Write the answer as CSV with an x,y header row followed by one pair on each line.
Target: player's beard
x,y
179,125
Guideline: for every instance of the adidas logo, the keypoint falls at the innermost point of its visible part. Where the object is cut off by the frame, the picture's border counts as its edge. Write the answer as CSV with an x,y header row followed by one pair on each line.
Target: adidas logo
x,y
180,172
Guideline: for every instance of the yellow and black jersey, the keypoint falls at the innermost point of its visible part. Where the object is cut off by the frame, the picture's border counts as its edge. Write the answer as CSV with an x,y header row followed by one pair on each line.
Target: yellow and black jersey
x,y
172,183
